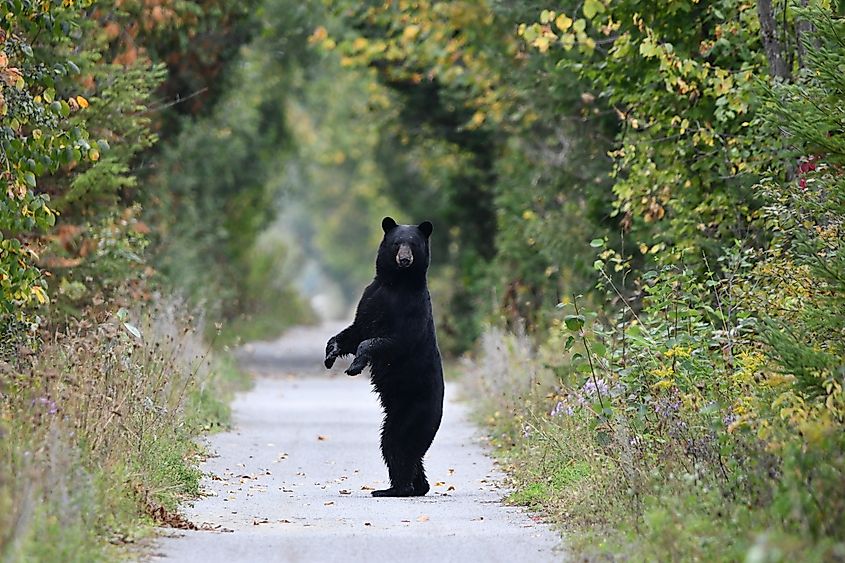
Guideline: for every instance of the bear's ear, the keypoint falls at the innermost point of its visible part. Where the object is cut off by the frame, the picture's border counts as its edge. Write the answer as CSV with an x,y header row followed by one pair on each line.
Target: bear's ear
x,y
426,227
388,223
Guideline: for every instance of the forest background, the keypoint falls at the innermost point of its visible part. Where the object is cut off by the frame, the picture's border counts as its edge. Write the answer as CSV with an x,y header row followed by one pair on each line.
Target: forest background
x,y
638,248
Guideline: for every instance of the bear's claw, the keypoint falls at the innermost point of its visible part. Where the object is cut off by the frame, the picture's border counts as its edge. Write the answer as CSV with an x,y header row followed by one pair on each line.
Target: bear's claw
x,y
332,352
357,366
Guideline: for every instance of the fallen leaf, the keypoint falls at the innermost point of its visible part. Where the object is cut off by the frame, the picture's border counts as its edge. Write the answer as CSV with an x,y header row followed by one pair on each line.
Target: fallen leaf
x,y
368,523
439,483
367,488
451,488
345,492
422,518
322,438
451,471
328,503
257,521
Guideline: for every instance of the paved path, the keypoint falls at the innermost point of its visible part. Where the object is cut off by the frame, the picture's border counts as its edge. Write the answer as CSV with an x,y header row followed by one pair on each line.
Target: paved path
x,y
292,481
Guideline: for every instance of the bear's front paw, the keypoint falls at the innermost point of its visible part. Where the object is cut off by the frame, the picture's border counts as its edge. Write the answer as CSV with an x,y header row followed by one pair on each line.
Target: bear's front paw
x,y
332,352
357,366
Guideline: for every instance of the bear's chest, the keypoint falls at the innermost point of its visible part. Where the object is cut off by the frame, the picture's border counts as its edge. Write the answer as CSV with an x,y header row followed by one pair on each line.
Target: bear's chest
x,y
394,310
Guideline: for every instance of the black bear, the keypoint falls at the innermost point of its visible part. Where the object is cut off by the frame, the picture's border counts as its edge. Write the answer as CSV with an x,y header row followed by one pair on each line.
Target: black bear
x,y
393,332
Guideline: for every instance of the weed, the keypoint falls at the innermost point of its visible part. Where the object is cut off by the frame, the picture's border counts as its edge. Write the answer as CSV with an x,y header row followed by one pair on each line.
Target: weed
x,y
98,433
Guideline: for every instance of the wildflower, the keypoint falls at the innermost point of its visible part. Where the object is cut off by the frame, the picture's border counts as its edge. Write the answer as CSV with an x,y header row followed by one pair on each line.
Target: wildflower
x,y
668,405
595,387
47,403
526,431
562,407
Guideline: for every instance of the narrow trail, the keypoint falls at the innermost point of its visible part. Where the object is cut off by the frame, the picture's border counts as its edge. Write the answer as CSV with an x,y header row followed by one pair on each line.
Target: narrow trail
x,y
292,481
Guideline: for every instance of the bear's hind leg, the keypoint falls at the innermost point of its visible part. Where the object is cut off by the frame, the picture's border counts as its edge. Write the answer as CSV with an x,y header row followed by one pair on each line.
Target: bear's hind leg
x,y
400,479
400,466
421,486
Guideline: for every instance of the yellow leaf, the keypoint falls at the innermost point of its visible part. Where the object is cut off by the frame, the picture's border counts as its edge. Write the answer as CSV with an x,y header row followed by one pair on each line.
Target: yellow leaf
x,y
410,32
477,119
83,103
542,43
563,22
39,294
319,35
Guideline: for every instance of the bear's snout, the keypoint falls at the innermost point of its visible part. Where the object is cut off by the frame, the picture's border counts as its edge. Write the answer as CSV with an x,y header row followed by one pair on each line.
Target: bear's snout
x,y
405,256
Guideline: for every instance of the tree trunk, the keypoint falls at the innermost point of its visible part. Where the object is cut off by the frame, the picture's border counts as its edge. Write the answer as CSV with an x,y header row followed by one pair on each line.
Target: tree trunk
x,y
803,32
771,44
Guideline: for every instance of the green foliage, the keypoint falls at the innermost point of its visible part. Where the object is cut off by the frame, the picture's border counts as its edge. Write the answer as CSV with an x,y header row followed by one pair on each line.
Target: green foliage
x,y
98,414
806,214
36,137
714,229
217,184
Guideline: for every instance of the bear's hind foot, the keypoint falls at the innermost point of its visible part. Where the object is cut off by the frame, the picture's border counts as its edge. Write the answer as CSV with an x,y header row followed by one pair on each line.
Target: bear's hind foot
x,y
407,491
420,491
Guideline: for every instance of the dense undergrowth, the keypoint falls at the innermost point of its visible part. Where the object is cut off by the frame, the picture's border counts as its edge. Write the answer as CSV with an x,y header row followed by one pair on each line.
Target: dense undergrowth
x,y
98,432
106,380
652,199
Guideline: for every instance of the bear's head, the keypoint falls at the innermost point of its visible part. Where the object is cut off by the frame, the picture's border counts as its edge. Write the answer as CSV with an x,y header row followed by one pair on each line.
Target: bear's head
x,y
404,252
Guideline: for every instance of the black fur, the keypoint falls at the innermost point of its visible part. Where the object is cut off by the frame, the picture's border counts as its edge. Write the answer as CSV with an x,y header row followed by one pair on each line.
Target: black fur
x,y
393,333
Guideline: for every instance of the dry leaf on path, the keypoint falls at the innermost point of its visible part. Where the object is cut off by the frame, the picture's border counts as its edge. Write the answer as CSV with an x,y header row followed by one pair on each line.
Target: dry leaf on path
x,y
422,518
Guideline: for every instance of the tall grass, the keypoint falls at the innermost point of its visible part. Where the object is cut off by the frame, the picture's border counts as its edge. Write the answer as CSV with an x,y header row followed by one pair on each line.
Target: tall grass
x,y
97,431
677,480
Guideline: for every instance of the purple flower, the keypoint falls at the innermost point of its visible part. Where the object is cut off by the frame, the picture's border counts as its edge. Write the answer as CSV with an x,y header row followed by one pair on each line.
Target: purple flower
x,y
47,403
562,407
593,389
526,431
668,406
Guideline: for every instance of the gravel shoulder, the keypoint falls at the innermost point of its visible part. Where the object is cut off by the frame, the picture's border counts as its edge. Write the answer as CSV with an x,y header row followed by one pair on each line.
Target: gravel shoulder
x,y
292,480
